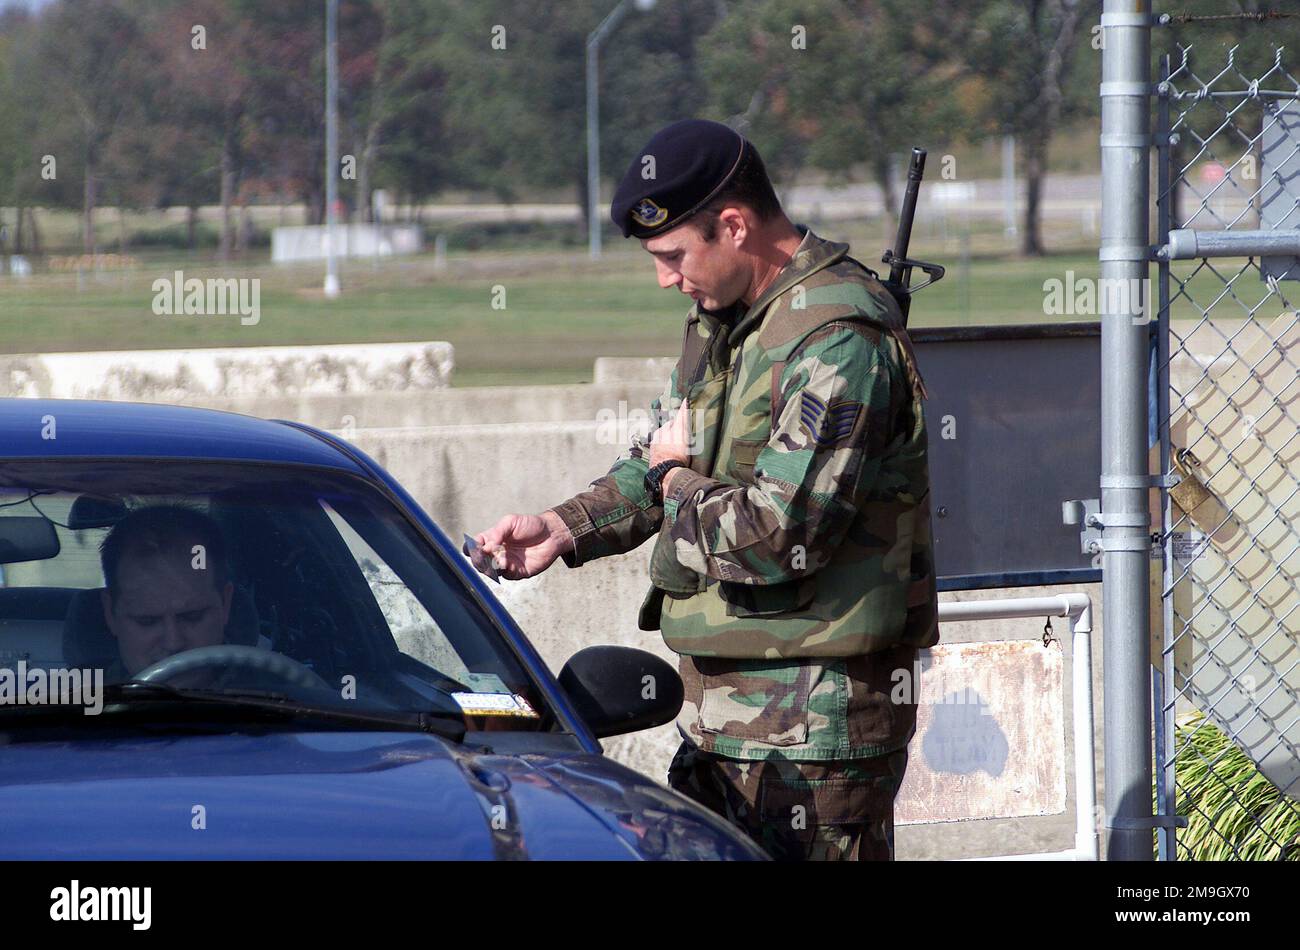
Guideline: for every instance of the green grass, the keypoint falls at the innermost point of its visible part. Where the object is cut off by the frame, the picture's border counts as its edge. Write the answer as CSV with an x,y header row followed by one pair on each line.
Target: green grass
x,y
562,311
1233,811
551,330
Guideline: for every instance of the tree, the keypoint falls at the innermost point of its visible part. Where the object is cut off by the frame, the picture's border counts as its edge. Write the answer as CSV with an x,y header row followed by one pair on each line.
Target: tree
x,y
1025,49
514,91
650,75
11,152
201,51
830,84
1204,129
88,78
282,127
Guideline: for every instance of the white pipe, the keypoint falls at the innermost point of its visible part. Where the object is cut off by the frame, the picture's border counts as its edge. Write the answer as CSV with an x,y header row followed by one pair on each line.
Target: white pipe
x,y
1085,764
1058,605
1078,608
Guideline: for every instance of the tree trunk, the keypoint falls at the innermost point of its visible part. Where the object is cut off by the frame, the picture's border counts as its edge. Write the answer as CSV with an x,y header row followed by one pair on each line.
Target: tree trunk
x,y
88,206
314,198
18,230
192,226
244,236
889,194
1035,152
1045,113
36,232
584,204
227,199
365,207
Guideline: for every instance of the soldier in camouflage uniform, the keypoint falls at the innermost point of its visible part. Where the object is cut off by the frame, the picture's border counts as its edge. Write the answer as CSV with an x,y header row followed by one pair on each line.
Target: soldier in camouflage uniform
x,y
788,497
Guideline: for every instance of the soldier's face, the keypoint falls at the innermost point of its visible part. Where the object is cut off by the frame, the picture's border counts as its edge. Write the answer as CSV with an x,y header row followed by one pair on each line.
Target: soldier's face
x,y
710,272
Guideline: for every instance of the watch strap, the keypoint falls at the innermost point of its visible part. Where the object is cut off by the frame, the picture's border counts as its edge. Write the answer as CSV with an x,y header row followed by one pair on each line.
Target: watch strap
x,y
654,478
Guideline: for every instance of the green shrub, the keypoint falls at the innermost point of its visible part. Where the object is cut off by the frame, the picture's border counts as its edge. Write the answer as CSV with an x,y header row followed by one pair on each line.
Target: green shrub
x,y
1233,811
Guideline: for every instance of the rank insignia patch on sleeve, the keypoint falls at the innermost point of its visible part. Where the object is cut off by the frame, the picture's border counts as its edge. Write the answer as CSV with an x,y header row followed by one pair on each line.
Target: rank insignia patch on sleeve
x,y
827,426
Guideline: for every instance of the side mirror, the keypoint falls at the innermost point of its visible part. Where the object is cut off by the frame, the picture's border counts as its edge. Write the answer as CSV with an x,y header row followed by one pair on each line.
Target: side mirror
x,y
617,690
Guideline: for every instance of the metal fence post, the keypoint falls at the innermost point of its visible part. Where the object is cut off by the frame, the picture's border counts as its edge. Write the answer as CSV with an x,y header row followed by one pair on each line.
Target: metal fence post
x,y
1126,541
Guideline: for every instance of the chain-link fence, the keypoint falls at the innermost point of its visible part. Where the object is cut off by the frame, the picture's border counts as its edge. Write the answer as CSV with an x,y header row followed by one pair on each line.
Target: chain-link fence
x,y
1226,430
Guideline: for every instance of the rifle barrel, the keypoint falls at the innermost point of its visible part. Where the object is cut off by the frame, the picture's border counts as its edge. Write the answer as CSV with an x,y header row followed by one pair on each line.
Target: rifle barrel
x,y
915,171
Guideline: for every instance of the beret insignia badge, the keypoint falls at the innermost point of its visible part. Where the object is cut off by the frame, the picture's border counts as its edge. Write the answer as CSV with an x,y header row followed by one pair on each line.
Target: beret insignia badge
x,y
648,214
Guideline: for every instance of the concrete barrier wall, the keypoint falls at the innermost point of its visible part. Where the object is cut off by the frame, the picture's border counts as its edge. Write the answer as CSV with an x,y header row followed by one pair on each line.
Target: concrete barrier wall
x,y
355,412
620,369
196,376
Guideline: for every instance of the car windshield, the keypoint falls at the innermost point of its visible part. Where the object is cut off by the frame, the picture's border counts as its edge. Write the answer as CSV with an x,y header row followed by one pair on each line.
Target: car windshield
x,y
250,581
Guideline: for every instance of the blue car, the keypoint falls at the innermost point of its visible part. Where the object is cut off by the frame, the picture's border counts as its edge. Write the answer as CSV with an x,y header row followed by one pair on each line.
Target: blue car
x,y
231,638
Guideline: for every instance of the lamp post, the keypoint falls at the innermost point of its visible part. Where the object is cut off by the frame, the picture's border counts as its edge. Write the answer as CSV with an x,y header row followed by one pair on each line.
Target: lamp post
x,y
594,39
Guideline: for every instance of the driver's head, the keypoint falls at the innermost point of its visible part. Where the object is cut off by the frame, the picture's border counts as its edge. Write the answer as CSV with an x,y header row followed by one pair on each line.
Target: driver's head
x,y
166,588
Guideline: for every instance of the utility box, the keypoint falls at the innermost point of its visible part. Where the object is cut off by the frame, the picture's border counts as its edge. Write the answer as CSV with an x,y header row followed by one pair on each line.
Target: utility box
x,y
1013,432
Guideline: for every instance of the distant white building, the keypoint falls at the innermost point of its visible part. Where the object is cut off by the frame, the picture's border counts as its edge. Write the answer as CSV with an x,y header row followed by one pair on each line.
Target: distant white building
x,y
311,243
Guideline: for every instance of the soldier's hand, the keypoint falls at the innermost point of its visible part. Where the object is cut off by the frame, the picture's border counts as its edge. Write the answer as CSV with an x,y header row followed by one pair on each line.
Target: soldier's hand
x,y
525,545
672,441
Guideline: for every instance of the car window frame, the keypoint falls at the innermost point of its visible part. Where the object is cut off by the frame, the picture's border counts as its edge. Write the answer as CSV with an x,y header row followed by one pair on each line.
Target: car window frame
x,y
556,716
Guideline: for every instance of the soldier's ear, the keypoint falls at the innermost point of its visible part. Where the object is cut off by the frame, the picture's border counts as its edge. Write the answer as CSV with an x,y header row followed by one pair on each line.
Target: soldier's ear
x,y
734,225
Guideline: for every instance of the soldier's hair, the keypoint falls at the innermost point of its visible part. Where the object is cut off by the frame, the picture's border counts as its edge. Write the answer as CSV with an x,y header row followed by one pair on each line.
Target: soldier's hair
x,y
160,529
751,187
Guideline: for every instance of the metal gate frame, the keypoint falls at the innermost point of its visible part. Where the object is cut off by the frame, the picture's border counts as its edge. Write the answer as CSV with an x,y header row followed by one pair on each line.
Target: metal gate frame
x,y
1181,90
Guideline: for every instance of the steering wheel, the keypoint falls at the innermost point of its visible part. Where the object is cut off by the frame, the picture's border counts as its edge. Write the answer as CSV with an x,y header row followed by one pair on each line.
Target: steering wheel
x,y
227,655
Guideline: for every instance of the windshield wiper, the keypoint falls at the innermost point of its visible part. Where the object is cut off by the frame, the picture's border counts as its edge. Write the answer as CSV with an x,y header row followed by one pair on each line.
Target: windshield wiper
x,y
449,725
133,698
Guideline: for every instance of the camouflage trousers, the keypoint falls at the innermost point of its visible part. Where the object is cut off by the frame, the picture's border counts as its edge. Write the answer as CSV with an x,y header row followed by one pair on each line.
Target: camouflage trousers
x,y
799,811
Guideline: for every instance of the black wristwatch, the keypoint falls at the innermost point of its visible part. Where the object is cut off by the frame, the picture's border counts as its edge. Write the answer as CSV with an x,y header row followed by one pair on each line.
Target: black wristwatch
x,y
654,479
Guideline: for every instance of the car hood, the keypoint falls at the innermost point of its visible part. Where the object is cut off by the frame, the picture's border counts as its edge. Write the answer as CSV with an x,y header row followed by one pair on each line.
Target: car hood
x,y
345,795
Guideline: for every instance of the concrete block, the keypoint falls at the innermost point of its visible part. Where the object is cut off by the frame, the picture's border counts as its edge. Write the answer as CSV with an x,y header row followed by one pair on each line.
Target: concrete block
x,y
189,376
311,242
623,369
350,413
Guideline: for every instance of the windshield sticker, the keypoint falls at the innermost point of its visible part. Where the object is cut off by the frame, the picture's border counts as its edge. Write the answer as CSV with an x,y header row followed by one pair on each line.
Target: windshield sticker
x,y
483,682
494,704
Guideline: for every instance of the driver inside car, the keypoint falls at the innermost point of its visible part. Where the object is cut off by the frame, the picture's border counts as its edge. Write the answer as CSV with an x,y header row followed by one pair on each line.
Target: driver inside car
x,y
166,588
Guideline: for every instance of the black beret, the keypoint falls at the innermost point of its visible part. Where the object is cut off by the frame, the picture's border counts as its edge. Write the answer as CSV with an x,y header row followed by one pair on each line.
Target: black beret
x,y
691,162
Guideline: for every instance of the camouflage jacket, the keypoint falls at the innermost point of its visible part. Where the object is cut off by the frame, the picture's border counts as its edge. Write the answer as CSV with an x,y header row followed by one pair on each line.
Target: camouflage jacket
x,y
792,566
